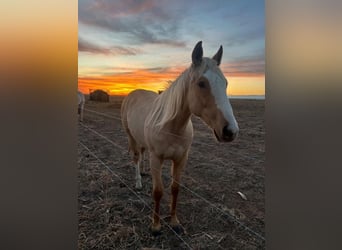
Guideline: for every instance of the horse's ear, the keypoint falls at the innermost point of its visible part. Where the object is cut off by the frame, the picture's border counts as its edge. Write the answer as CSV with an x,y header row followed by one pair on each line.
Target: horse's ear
x,y
218,56
197,54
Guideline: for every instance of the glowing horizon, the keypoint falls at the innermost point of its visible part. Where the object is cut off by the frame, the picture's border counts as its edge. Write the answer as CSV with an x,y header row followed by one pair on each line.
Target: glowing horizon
x,y
124,83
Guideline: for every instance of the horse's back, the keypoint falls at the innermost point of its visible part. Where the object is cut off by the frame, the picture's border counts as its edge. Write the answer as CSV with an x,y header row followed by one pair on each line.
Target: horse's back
x,y
134,110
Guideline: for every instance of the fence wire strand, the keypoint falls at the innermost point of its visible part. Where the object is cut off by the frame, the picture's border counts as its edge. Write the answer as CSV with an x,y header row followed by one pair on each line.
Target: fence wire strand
x,y
231,217
132,191
202,143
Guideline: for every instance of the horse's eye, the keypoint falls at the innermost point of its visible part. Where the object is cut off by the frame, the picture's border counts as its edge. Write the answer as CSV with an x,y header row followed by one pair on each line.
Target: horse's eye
x,y
201,84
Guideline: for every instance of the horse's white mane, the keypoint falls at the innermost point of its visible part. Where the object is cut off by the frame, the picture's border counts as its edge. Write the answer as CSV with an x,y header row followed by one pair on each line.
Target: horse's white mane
x,y
169,103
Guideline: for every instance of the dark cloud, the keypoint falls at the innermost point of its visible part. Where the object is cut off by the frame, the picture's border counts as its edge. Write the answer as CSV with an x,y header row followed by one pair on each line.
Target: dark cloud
x,y
126,7
139,21
84,46
248,18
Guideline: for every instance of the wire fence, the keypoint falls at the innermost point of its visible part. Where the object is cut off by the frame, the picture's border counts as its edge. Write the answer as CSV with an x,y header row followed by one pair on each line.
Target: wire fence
x,y
133,192
121,179
252,232
202,143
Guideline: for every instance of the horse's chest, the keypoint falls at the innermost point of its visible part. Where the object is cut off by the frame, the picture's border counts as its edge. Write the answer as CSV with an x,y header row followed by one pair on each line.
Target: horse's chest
x,y
174,152
169,149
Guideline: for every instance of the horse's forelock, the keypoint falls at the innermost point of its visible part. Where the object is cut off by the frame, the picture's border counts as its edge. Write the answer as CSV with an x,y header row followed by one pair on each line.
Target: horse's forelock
x,y
197,71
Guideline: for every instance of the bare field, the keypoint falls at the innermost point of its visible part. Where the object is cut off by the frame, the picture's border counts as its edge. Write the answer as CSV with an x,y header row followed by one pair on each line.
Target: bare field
x,y
113,215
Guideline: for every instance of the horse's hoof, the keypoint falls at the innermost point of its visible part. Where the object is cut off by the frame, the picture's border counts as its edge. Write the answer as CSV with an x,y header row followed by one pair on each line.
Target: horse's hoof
x,y
155,232
178,229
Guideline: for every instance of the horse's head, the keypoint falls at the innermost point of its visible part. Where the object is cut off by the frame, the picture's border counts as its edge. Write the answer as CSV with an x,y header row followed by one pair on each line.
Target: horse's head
x,y
207,95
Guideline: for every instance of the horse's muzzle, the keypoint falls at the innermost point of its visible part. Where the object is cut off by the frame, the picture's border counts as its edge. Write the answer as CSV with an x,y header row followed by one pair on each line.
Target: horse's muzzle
x,y
227,135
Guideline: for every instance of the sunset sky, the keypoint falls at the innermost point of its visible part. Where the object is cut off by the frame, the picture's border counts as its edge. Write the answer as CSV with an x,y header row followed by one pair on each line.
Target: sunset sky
x,y
129,44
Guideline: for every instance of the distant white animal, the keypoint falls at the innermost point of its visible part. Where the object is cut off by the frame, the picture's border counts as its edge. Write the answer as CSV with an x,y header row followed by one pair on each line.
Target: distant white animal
x,y
81,101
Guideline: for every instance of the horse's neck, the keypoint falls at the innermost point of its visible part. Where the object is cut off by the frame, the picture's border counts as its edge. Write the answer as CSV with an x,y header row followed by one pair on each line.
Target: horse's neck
x,y
179,123
182,117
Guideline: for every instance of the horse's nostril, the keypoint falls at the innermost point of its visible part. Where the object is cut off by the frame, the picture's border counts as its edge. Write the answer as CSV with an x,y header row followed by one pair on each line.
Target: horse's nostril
x,y
227,132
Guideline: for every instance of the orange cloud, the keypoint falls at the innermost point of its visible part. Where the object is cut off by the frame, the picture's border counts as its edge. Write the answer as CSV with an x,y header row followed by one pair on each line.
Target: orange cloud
x,y
123,83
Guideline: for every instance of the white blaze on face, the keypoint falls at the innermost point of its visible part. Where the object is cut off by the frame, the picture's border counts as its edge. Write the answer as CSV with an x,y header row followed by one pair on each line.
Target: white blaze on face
x,y
218,89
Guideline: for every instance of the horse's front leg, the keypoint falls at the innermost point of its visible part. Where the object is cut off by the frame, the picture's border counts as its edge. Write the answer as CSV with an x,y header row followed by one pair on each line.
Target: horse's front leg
x,y
157,192
177,168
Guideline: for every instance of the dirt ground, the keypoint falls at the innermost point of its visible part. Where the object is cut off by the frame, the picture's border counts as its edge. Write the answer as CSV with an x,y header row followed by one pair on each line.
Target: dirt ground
x,y
113,215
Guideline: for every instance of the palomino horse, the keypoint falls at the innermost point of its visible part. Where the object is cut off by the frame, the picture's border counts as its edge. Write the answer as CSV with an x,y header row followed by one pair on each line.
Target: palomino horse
x,y
81,101
162,125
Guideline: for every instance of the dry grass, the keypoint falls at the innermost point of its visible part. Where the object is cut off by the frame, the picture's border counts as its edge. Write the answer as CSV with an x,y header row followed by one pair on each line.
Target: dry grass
x,y
112,217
